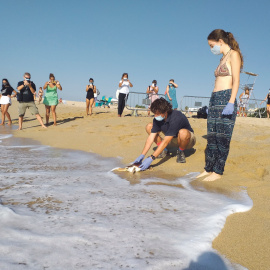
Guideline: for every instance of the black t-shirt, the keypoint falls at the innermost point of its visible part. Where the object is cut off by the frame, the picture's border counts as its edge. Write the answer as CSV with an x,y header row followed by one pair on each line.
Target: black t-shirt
x,y
26,93
171,126
7,91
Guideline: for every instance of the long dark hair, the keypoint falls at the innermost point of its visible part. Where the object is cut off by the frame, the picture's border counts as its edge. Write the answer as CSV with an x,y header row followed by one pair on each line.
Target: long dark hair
x,y
5,86
124,74
228,38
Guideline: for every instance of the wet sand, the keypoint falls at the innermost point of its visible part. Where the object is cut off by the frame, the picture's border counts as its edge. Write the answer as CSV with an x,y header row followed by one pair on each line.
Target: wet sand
x,y
246,236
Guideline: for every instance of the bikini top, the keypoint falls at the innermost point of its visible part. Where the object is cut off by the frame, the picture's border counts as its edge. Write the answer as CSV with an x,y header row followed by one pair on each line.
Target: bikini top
x,y
222,70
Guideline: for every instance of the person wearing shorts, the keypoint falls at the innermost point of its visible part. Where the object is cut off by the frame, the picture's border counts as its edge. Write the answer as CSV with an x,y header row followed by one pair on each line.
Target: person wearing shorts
x,y
176,128
26,90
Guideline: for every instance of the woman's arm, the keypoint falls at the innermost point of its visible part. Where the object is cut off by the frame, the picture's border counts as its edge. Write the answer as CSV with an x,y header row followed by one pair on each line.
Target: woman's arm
x,y
156,89
121,83
167,92
174,84
148,90
15,93
130,84
58,85
236,65
264,99
240,97
45,85
87,88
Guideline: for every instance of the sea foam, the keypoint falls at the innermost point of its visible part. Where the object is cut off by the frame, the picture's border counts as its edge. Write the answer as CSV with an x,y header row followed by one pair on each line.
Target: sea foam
x,y
65,209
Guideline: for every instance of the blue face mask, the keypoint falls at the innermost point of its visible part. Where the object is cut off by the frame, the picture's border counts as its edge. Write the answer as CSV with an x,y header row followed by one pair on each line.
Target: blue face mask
x,y
159,118
216,50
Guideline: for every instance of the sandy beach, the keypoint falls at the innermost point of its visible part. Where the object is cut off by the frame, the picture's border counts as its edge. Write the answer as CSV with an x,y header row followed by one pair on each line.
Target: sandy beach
x,y
246,236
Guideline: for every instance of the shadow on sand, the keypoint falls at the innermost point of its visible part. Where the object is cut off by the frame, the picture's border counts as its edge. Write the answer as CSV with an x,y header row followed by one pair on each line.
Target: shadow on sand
x,y
207,261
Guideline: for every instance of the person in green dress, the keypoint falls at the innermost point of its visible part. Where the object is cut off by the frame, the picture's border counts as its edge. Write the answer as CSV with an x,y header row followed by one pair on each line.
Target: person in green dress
x,y
51,98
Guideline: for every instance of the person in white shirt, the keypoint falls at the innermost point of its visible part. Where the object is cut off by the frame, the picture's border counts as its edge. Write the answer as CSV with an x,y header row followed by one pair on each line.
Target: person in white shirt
x,y
124,85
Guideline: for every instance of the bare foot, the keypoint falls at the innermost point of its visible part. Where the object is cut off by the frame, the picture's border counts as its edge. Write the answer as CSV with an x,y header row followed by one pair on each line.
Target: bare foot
x,y
2,124
9,123
213,177
19,129
55,124
205,173
44,126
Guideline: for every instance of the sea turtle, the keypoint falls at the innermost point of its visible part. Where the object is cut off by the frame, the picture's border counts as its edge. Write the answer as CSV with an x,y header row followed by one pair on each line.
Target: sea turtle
x,y
133,168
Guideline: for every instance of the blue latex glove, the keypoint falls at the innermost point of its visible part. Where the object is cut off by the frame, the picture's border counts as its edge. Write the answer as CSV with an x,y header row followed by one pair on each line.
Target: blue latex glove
x,y
228,109
146,163
139,159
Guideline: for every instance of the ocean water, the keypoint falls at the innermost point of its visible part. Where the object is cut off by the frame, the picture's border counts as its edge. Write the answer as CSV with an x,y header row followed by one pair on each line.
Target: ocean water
x,y
63,209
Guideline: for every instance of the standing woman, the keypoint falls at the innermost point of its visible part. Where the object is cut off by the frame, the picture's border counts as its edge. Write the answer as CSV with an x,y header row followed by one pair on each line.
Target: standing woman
x,y
152,91
90,99
124,85
51,98
244,98
267,104
222,106
171,94
5,100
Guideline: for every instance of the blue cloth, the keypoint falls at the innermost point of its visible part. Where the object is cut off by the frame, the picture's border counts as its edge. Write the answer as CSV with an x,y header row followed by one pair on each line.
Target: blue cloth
x,y
172,93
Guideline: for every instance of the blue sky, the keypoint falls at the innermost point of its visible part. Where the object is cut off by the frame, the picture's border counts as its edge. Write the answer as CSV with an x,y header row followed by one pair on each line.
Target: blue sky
x,y
150,39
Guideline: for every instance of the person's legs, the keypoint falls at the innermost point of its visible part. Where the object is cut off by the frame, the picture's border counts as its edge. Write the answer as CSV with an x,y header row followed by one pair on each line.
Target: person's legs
x,y
268,111
20,122
211,148
40,120
87,106
54,114
224,129
91,105
48,110
7,114
121,103
22,108
3,110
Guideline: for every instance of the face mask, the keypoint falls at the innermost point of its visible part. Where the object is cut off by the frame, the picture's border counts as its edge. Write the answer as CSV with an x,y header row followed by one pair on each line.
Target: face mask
x,y
27,79
91,83
170,84
153,84
216,50
125,79
4,84
159,118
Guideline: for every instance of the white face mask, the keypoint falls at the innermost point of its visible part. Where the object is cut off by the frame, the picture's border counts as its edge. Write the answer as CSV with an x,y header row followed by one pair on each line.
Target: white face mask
x,y
125,79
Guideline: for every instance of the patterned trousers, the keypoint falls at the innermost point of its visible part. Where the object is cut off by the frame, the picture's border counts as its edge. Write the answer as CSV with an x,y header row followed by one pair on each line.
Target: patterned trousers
x,y
219,131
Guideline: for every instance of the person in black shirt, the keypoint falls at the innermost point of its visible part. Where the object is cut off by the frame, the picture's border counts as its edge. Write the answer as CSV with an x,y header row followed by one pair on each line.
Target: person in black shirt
x,y
267,99
176,128
27,90
5,101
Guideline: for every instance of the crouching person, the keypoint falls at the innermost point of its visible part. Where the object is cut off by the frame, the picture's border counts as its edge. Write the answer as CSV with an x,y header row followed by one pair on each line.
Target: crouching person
x,y
27,90
176,128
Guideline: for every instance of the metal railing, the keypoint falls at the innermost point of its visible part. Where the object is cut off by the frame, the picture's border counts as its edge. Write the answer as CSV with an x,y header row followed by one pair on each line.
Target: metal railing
x,y
139,101
254,108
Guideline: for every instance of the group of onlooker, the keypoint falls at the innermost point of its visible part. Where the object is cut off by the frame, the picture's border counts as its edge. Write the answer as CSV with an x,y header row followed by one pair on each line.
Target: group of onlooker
x,y
26,98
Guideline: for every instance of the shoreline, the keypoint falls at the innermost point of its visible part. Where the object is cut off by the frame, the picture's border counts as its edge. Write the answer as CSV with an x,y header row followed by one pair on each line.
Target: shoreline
x,y
245,237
